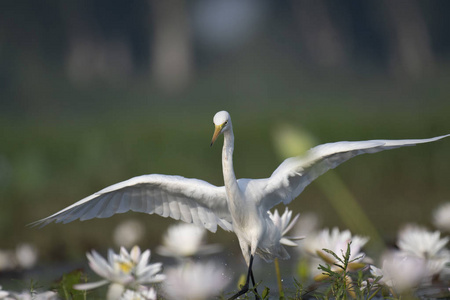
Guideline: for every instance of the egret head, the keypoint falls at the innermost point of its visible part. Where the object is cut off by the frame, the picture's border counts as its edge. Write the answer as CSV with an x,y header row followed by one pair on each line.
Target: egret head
x,y
222,122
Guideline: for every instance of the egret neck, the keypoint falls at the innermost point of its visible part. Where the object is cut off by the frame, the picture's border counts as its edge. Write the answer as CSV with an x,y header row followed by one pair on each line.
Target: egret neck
x,y
234,194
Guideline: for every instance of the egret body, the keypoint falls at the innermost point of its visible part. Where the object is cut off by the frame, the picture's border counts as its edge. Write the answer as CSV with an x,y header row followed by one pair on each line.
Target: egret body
x,y
241,205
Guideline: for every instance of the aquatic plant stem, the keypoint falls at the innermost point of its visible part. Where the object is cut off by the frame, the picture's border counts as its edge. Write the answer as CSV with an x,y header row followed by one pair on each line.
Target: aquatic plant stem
x,y
279,282
347,207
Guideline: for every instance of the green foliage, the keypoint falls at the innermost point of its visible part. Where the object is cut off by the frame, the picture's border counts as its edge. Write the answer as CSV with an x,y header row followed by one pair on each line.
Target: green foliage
x,y
252,290
299,291
339,283
34,286
65,289
265,294
343,283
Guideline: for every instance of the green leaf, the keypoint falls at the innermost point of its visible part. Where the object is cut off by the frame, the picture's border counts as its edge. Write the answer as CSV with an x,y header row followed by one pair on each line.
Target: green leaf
x,y
265,293
333,254
65,284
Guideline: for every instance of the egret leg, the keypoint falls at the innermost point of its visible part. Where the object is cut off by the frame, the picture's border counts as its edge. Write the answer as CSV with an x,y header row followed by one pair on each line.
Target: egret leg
x,y
244,289
254,285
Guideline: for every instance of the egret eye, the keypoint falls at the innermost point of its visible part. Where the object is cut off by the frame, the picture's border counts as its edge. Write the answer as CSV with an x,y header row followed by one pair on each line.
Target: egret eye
x,y
224,124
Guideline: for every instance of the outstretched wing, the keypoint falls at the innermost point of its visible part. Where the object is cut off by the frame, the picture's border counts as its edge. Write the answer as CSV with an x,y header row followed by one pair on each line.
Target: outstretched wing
x,y
190,200
295,173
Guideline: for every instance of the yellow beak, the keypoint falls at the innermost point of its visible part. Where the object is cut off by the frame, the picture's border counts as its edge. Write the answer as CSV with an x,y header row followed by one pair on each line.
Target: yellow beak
x,y
216,133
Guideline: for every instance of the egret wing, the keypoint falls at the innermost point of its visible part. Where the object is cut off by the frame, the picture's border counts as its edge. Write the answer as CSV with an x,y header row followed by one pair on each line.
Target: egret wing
x,y
190,200
295,173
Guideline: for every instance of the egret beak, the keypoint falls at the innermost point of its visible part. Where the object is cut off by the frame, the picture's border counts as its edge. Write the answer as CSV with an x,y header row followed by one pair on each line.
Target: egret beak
x,y
216,134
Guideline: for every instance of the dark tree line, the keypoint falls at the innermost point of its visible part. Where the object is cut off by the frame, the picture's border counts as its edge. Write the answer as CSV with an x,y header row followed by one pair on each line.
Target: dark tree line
x,y
120,39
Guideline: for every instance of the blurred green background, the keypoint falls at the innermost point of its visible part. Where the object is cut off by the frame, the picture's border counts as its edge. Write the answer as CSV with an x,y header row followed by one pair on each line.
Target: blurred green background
x,y
96,92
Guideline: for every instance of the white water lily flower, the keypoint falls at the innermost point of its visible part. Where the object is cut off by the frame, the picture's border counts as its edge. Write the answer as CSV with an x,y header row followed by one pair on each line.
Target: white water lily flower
x,y
441,217
49,295
400,272
337,242
128,233
26,255
142,294
128,270
3,294
185,240
419,242
284,224
195,281
7,260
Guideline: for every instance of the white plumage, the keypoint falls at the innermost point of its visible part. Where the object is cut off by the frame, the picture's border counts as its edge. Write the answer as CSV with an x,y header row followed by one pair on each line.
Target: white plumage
x,y
189,200
240,206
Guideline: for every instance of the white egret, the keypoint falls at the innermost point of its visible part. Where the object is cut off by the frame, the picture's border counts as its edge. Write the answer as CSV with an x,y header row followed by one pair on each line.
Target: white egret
x,y
240,206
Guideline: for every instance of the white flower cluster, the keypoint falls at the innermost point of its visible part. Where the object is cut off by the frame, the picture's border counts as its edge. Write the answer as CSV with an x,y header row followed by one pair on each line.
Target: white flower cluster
x,y
441,217
185,240
284,224
336,241
193,280
420,257
126,273
25,295
189,279
23,257
131,276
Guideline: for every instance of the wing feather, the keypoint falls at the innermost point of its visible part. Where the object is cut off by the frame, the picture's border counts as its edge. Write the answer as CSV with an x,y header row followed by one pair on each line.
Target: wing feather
x,y
165,207
189,200
203,215
111,205
158,203
174,209
185,213
124,204
77,213
89,207
194,212
295,173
